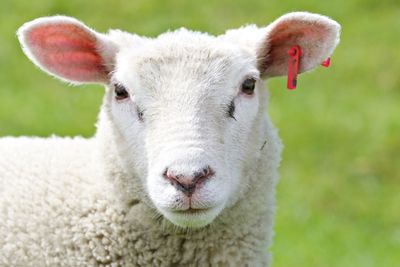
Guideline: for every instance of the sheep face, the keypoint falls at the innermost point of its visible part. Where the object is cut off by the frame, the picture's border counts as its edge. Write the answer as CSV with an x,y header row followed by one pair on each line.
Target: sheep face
x,y
185,106
189,105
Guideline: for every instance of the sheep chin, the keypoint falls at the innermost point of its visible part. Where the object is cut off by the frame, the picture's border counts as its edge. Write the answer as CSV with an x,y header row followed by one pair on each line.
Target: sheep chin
x,y
192,218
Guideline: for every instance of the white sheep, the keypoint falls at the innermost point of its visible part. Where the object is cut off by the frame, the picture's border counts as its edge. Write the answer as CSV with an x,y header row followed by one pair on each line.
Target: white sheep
x,y
183,166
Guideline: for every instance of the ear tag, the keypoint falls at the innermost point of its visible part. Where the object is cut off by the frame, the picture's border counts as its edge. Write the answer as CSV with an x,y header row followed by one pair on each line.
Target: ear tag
x,y
293,66
326,62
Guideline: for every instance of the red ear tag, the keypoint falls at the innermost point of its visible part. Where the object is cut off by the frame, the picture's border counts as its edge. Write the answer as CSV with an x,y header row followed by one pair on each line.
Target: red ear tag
x,y
326,62
293,66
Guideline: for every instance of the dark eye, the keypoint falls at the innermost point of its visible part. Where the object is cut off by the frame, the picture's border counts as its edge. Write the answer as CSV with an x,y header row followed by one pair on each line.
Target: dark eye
x,y
248,86
120,92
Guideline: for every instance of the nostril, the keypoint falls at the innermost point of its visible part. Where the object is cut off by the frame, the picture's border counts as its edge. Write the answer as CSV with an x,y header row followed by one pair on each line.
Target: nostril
x,y
171,176
187,183
204,173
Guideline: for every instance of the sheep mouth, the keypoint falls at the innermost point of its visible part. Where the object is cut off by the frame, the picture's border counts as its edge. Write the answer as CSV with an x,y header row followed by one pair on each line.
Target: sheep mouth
x,y
192,211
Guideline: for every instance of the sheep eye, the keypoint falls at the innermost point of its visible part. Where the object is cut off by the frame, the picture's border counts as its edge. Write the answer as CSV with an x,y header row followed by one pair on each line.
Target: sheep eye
x,y
120,92
248,86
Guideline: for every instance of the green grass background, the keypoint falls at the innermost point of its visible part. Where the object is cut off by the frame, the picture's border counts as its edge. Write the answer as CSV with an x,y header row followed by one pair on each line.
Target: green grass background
x,y
339,194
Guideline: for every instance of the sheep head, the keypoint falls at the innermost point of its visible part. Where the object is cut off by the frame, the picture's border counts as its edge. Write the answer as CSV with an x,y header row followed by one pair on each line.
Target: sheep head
x,y
186,105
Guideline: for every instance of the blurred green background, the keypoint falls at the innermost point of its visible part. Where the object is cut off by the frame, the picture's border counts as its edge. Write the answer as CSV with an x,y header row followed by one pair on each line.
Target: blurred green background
x,y
339,194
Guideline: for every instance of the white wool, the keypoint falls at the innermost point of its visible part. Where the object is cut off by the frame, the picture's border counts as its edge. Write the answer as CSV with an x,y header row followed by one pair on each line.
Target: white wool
x,y
106,200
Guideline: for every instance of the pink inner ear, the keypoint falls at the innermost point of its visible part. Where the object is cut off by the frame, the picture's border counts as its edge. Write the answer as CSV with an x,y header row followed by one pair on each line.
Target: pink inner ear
x,y
310,37
67,50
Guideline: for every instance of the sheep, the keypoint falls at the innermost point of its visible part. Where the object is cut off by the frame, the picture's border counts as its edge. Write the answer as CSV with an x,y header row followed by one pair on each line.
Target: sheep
x,y
183,166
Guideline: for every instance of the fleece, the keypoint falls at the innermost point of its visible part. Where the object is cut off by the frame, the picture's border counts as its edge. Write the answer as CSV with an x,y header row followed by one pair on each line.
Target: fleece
x,y
59,206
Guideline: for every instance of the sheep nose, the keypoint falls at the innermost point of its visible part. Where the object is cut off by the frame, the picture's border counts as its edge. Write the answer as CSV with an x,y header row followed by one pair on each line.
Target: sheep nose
x,y
187,183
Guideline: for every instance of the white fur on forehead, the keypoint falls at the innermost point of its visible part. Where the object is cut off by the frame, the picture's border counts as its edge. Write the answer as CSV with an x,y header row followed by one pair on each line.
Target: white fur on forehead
x,y
248,37
181,37
185,54
185,42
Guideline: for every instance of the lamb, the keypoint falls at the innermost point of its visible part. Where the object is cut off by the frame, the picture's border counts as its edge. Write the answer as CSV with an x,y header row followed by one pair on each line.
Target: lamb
x,y
183,166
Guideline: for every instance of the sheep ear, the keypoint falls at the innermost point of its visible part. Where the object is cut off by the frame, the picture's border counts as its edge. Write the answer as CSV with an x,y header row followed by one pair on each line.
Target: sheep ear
x,y
66,48
316,35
